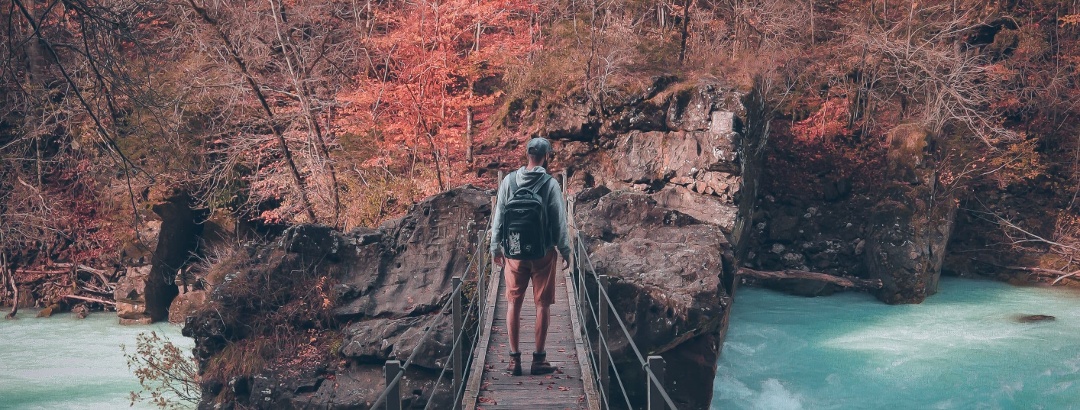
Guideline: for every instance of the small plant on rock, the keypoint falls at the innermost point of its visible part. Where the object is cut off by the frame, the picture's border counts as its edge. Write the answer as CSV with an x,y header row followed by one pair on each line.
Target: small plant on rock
x,y
168,375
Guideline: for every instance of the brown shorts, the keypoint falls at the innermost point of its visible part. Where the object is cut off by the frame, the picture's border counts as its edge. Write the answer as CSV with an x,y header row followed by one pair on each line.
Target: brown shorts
x,y
540,271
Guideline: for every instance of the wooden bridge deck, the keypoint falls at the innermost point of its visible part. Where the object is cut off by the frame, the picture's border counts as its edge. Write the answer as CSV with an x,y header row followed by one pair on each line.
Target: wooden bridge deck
x,y
490,386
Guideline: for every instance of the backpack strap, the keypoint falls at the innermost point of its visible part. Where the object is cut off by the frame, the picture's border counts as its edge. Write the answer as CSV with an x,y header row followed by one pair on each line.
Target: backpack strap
x,y
512,179
534,188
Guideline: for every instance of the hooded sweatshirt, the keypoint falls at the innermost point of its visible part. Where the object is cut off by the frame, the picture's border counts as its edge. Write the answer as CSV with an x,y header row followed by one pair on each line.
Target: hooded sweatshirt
x,y
552,193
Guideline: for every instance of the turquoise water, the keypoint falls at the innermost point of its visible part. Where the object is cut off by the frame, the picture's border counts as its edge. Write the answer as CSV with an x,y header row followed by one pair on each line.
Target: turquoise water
x,y
67,363
960,349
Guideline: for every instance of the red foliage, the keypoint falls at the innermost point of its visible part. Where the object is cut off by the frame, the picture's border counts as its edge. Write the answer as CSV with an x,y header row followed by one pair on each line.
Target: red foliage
x,y
427,73
826,125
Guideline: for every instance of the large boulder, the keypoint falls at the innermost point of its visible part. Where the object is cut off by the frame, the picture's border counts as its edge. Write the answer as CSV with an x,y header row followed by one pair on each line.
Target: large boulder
x,y
667,190
906,244
379,288
666,271
130,296
692,145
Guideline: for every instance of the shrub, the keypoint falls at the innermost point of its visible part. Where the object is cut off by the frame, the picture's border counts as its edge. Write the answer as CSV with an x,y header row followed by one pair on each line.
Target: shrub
x,y
168,376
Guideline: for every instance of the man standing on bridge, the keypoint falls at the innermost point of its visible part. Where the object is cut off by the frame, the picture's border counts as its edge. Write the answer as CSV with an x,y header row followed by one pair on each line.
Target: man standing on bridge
x,y
528,224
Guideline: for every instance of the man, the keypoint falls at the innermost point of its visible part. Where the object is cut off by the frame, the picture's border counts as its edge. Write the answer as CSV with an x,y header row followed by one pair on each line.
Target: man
x,y
521,266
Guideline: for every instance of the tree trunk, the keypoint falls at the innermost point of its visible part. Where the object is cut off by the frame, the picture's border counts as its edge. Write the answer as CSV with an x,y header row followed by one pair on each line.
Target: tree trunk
x,y
685,30
842,281
96,300
242,65
295,65
469,135
8,276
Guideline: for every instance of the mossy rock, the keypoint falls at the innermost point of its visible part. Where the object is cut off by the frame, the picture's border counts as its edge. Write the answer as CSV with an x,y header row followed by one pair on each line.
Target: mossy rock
x,y
48,311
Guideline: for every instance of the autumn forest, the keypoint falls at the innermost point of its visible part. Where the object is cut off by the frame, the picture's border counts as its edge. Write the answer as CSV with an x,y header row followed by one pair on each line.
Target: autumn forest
x,y
346,112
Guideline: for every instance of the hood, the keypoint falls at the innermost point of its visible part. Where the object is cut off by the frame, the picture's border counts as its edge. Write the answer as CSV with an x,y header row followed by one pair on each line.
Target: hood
x,y
526,177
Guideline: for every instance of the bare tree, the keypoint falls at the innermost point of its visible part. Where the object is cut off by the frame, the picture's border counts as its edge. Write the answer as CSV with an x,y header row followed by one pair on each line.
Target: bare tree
x,y
920,62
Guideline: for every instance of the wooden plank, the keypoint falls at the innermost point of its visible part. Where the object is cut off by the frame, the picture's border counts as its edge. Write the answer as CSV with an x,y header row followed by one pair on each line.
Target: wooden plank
x,y
498,390
480,352
561,390
592,396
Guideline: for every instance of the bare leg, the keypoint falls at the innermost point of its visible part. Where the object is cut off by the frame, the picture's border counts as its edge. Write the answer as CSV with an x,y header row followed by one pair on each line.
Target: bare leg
x,y
543,317
513,322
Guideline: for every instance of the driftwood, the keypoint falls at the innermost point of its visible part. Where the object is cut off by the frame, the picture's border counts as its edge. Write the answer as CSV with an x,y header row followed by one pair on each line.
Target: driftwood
x,y
83,268
94,289
842,281
101,274
1056,275
42,272
107,302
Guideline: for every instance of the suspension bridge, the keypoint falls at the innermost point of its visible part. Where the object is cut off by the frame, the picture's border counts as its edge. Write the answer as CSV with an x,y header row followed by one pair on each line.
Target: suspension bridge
x,y
582,319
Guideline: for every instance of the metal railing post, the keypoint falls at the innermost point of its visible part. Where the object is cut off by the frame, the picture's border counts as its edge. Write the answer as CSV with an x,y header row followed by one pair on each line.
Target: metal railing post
x,y
584,307
656,366
602,340
481,294
459,372
569,215
390,371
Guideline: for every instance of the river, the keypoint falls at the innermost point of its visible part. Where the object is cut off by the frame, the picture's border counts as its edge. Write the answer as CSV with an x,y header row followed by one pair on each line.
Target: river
x,y
963,348
67,363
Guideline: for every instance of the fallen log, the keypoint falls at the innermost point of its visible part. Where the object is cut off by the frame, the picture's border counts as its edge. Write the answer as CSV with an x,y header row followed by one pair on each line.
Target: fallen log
x,y
96,290
83,268
41,272
1056,275
107,302
842,281
101,274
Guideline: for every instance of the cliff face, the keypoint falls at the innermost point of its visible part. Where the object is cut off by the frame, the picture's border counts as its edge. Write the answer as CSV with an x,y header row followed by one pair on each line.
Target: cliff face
x,y
308,321
665,184
666,270
892,225
659,193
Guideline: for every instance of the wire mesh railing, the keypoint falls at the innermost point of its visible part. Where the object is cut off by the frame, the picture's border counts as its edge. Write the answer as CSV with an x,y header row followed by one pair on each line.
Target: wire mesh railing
x,y
596,332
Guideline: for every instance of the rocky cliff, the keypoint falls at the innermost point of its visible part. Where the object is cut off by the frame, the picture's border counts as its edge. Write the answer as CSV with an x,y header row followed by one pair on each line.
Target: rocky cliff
x,y
307,321
660,189
890,224
666,184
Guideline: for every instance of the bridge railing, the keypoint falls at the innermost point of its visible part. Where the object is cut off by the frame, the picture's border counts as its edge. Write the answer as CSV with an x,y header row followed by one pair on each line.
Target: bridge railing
x,y
596,310
394,370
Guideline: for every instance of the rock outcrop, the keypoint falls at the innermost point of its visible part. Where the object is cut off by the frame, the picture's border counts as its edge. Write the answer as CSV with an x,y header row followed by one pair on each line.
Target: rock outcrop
x,y
893,227
374,292
146,292
666,271
667,185
905,246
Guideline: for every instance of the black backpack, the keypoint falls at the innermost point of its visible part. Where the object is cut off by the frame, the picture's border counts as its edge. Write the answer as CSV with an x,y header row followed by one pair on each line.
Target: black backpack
x,y
524,222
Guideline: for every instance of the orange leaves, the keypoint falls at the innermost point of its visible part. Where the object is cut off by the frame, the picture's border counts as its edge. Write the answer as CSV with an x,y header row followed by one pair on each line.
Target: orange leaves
x,y
830,121
1070,20
419,97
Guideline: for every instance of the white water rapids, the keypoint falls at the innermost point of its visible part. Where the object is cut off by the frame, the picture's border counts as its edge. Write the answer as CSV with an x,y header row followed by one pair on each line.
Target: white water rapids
x,y
963,348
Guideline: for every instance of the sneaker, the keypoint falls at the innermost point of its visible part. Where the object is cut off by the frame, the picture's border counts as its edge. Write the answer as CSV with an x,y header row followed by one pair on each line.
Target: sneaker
x,y
540,364
515,364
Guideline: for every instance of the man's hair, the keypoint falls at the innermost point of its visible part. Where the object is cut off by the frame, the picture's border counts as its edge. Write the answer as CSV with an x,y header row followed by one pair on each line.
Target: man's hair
x,y
538,159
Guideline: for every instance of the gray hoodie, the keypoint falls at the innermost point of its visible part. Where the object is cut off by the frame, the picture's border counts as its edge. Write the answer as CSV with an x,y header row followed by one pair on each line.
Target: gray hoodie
x,y
555,207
